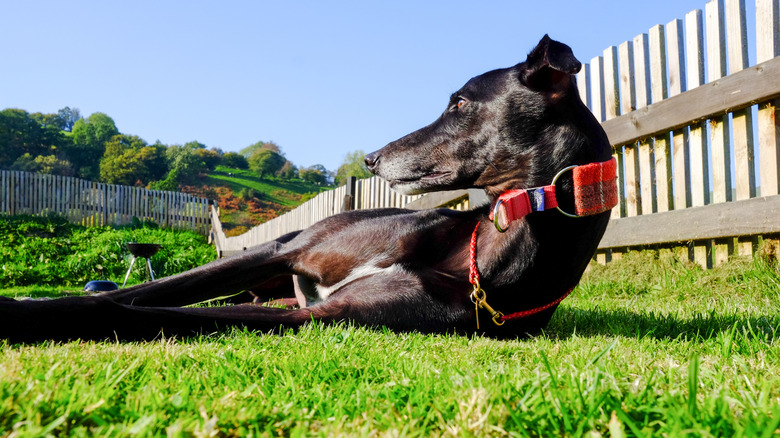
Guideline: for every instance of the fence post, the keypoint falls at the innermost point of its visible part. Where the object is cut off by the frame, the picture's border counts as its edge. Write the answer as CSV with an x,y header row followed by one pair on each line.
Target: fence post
x,y
349,197
767,47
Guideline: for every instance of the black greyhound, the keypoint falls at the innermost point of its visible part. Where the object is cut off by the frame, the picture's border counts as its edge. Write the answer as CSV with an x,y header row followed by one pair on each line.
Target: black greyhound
x,y
430,271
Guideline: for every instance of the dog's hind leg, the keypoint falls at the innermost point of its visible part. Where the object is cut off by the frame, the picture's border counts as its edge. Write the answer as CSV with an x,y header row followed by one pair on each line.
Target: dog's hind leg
x,y
408,307
220,278
98,318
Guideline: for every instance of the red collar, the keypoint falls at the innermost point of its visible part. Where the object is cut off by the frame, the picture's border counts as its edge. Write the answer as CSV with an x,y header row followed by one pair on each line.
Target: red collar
x,y
595,191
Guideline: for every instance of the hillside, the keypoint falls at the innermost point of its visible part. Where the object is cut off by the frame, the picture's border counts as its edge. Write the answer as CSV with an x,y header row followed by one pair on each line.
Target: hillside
x,y
246,200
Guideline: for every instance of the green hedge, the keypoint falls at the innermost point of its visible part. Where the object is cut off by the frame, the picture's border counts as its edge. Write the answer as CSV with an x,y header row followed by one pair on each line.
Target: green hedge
x,y
51,251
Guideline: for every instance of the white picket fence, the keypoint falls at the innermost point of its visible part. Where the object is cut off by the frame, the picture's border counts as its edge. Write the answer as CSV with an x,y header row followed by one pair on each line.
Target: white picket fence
x,y
694,127
95,204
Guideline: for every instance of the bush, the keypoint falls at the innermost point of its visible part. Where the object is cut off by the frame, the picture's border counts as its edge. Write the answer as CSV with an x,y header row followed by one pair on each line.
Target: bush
x,y
50,251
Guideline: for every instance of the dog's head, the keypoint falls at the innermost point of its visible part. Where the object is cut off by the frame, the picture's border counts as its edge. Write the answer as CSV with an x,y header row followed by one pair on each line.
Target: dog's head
x,y
508,128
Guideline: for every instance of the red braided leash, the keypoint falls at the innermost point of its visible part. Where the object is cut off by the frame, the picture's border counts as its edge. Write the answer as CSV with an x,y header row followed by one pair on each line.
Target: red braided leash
x,y
473,273
474,280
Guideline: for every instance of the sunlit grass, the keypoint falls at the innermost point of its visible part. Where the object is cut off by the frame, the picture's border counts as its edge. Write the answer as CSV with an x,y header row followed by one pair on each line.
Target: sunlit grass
x,y
283,192
647,346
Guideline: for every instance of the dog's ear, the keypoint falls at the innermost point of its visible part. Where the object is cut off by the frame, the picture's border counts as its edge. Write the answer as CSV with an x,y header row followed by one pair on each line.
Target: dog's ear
x,y
549,66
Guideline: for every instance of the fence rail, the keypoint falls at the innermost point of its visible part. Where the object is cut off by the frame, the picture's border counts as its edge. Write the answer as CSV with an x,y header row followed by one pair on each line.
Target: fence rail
x,y
95,204
695,129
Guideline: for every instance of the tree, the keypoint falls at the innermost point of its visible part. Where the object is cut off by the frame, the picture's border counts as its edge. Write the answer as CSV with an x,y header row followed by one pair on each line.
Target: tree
x,y
235,160
185,163
156,160
265,162
249,150
125,161
271,146
48,164
90,136
23,133
353,165
211,157
316,174
288,171
68,118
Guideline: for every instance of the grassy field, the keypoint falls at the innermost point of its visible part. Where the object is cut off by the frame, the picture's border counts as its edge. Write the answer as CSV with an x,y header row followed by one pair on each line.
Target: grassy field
x,y
288,193
246,200
646,346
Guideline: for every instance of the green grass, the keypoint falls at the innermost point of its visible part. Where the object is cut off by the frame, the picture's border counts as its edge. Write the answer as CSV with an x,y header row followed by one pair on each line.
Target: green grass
x,y
288,193
646,346
49,251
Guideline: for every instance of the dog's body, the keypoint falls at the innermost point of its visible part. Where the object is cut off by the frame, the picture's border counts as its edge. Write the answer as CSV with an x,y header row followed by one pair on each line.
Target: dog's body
x,y
406,270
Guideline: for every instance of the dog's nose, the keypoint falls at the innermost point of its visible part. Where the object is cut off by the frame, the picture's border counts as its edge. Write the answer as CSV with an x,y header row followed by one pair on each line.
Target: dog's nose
x,y
372,160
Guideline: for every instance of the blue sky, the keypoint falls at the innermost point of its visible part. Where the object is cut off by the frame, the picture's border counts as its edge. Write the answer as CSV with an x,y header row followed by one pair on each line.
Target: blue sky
x,y
319,78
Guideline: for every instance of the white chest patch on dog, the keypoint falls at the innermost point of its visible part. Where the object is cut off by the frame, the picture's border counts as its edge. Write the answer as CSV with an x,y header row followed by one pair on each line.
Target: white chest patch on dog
x,y
362,271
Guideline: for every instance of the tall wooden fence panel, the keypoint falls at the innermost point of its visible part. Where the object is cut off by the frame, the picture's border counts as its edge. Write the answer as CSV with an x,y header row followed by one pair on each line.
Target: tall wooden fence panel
x,y
695,129
693,126
95,204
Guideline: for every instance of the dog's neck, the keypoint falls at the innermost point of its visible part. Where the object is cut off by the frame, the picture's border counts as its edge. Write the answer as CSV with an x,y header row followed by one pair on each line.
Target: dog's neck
x,y
593,191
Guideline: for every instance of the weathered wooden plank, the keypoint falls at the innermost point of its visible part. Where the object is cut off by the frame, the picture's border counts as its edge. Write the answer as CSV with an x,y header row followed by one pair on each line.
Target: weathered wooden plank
x,y
646,173
768,47
628,103
583,85
739,90
3,192
719,125
643,98
612,110
699,161
597,87
754,216
741,120
628,99
611,81
677,85
659,93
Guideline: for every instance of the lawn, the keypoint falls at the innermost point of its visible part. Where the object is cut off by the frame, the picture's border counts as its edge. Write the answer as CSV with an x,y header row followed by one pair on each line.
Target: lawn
x,y
646,346
288,193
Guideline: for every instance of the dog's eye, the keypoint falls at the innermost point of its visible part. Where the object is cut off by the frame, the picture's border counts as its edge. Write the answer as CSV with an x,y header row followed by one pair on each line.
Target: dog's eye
x,y
461,102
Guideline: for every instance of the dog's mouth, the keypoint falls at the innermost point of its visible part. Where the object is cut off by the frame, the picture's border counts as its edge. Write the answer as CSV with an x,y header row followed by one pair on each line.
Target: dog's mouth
x,y
419,184
427,177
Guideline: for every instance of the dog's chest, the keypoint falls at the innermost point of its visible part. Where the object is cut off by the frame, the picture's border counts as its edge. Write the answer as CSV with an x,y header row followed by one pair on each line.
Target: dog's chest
x,y
314,292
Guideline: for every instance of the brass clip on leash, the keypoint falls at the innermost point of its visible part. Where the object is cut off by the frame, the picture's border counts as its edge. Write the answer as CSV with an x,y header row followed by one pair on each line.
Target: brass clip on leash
x,y
479,298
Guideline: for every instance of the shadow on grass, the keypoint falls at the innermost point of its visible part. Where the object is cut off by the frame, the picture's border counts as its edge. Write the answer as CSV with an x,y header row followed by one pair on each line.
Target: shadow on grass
x,y
568,322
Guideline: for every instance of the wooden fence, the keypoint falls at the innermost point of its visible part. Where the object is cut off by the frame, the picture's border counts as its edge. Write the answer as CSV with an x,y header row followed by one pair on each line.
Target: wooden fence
x,y
95,204
695,129
692,125
357,194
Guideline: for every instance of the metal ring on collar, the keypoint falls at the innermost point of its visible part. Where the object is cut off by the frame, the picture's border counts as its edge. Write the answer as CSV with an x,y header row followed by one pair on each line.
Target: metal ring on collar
x,y
555,178
495,217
